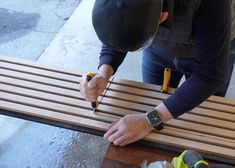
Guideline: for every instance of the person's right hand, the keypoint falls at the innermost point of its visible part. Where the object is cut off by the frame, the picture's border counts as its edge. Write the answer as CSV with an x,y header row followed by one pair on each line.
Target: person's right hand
x,y
94,88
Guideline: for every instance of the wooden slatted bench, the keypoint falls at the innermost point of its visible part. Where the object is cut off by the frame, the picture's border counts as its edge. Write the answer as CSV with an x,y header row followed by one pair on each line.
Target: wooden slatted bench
x,y
51,95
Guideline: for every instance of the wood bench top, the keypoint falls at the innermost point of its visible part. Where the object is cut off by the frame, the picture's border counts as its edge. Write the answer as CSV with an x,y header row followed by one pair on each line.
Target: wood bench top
x,y
50,95
133,156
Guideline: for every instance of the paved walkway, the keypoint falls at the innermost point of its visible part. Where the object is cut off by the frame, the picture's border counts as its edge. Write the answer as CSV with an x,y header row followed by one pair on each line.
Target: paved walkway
x,y
26,29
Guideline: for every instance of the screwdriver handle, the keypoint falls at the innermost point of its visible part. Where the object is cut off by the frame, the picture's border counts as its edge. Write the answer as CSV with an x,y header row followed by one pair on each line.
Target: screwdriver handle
x,y
166,80
89,76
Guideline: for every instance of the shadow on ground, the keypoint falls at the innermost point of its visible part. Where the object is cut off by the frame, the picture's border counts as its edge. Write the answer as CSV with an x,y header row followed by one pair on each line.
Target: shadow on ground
x,y
15,24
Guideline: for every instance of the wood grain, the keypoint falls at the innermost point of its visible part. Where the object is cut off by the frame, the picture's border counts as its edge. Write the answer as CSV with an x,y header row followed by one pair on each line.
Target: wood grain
x,y
52,94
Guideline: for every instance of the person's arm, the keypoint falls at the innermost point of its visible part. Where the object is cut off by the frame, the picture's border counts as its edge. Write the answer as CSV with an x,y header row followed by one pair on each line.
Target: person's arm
x,y
111,58
211,36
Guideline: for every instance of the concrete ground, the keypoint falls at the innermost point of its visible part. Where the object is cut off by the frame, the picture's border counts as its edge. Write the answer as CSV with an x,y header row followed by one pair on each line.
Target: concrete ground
x,y
75,46
26,29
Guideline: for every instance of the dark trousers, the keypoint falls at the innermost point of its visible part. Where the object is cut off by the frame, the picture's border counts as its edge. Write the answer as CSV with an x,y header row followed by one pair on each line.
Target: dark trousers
x,y
155,61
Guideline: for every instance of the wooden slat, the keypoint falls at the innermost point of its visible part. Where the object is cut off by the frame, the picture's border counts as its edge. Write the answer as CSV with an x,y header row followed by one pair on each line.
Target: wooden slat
x,y
199,137
155,88
208,121
226,129
51,93
36,65
53,115
160,96
214,114
40,72
194,145
42,113
142,103
202,128
60,108
39,79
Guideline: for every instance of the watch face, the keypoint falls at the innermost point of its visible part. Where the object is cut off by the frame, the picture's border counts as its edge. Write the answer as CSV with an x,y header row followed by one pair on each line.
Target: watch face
x,y
155,119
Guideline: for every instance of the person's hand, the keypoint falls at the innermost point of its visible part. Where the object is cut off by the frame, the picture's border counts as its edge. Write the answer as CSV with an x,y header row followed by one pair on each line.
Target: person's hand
x,y
94,88
128,129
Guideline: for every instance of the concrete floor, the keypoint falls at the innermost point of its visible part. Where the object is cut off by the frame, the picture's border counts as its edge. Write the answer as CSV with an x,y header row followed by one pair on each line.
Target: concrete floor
x,y
74,46
31,24
26,29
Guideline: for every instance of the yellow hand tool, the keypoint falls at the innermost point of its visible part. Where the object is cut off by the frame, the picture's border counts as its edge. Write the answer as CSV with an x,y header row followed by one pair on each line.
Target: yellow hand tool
x,y
190,159
166,80
94,104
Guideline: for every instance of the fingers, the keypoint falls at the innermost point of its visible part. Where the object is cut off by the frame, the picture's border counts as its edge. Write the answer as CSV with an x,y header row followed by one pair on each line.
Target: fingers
x,y
128,129
122,141
93,83
111,130
112,124
115,136
89,90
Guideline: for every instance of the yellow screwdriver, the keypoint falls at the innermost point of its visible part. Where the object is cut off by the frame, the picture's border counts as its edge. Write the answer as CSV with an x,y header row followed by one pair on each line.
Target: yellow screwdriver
x,y
166,80
94,104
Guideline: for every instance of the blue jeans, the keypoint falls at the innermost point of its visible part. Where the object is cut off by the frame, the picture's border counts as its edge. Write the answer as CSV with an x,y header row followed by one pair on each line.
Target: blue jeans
x,y
155,61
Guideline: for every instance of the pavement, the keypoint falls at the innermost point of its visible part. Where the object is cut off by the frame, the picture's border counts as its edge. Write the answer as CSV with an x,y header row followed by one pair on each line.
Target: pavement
x,y
26,29
44,31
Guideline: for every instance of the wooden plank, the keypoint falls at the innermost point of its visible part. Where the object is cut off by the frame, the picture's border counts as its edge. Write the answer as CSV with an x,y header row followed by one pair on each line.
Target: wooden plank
x,y
60,108
53,98
37,65
103,126
156,88
53,115
213,114
40,72
142,103
50,94
199,137
39,79
208,121
55,75
193,145
160,96
199,126
210,130
133,156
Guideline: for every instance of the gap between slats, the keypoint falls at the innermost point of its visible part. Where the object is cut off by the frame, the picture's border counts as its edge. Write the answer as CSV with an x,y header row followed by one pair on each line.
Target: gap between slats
x,y
156,88
52,115
54,98
129,109
143,103
54,71
205,104
60,108
41,80
39,106
37,65
188,144
160,96
199,137
164,139
39,72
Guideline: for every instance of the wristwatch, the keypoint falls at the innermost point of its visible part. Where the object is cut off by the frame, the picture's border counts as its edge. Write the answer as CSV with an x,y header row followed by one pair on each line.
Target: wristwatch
x,y
154,119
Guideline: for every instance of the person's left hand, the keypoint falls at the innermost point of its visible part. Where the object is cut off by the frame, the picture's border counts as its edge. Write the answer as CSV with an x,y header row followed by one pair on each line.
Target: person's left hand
x,y
128,129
